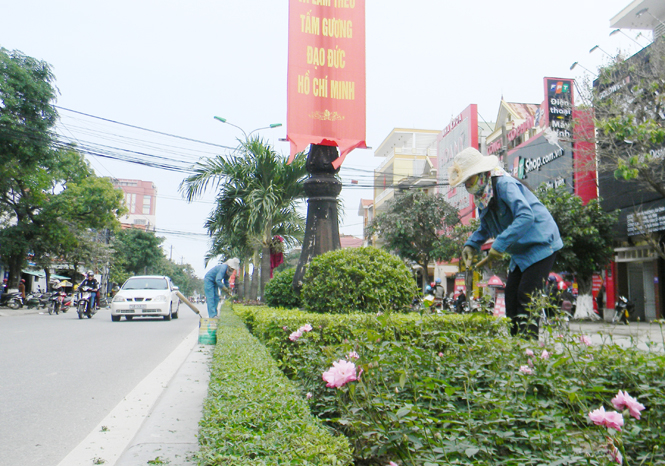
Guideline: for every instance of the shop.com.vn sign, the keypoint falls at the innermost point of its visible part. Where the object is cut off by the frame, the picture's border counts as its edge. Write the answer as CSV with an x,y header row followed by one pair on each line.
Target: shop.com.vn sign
x,y
527,166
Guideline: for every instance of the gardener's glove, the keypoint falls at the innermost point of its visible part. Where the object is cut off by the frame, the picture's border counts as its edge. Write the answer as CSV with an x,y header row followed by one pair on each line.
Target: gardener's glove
x,y
468,254
492,255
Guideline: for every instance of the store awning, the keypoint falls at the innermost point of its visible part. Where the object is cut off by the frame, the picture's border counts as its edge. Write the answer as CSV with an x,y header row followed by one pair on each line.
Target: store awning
x,y
42,274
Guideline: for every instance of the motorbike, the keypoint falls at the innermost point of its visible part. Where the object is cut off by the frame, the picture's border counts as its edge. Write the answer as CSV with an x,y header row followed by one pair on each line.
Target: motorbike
x,y
58,303
622,310
12,299
83,307
33,300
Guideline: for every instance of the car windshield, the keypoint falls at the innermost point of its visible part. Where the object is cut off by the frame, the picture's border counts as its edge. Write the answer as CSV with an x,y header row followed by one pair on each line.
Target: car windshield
x,y
145,284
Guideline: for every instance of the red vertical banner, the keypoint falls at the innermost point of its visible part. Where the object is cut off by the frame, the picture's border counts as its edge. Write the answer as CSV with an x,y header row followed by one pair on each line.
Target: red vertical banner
x,y
326,75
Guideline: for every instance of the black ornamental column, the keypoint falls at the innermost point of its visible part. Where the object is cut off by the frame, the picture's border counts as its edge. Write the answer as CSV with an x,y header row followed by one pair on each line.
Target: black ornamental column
x,y
322,189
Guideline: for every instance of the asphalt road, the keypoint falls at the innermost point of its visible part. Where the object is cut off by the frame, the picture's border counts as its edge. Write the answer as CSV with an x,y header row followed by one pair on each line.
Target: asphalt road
x,y
60,376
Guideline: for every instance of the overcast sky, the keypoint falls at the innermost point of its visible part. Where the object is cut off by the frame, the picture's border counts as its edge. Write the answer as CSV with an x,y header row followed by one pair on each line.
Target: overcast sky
x,y
170,66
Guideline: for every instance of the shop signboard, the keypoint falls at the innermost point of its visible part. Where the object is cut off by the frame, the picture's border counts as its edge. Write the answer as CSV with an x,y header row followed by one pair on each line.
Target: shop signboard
x,y
559,107
461,133
540,162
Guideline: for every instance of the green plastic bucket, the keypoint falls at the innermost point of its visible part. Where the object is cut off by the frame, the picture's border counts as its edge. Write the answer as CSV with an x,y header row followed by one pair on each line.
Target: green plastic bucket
x,y
207,331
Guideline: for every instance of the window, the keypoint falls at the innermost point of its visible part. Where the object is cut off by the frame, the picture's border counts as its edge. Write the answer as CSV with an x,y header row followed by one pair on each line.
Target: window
x,y
130,200
146,205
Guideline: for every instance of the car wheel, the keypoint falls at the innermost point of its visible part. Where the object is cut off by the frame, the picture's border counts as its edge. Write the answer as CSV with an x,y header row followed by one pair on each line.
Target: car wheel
x,y
115,318
177,309
128,317
168,316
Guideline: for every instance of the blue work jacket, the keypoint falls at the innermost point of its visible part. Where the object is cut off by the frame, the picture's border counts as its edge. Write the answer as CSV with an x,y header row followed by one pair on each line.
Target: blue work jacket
x,y
519,223
218,275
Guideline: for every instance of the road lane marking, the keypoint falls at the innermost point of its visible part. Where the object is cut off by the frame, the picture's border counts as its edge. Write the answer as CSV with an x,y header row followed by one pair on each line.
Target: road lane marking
x,y
111,436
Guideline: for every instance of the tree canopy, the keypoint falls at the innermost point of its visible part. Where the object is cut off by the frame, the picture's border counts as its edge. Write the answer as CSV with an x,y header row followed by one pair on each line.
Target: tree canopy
x,y
586,231
48,193
412,227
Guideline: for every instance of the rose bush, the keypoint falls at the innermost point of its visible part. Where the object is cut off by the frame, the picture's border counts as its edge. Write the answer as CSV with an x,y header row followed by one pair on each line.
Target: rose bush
x,y
432,395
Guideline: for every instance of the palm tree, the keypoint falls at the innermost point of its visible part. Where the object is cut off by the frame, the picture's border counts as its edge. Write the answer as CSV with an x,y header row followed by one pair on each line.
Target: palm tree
x,y
257,195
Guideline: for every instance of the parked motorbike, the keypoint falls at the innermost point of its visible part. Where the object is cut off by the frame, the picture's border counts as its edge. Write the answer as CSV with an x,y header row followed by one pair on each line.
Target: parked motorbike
x,y
622,310
32,301
83,304
12,299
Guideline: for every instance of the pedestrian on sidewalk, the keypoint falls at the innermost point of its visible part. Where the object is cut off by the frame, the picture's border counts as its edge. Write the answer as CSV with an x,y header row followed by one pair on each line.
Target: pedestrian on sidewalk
x,y
216,281
600,301
520,225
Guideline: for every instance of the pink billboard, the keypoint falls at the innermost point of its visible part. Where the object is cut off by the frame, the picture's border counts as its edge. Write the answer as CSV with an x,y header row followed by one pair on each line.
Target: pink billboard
x,y
461,132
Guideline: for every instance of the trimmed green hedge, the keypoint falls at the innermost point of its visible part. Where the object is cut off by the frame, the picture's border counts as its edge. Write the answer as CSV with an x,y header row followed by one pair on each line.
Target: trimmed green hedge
x,y
273,327
357,280
254,415
279,290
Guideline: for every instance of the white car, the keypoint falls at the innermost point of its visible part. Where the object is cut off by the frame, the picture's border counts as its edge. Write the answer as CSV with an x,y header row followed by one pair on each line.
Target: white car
x,y
146,296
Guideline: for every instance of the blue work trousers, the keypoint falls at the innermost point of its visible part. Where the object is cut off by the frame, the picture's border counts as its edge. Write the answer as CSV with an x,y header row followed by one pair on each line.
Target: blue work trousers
x,y
212,296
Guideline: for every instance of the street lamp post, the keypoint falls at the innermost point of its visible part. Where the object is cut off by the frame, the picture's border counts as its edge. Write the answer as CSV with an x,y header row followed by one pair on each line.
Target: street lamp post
x,y
272,125
596,47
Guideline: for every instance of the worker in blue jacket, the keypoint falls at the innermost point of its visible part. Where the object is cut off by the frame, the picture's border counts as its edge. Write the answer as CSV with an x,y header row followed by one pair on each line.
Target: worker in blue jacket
x,y
520,225
217,280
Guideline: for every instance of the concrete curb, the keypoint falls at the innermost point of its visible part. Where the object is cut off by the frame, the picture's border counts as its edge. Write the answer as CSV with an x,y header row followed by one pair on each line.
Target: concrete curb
x,y
110,438
170,433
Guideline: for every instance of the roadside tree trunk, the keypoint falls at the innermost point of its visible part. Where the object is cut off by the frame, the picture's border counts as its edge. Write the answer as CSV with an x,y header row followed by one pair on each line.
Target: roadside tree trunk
x,y
254,289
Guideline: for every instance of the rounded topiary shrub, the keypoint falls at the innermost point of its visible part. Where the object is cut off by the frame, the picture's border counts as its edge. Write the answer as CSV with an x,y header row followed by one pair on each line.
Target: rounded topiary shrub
x,y
357,280
279,290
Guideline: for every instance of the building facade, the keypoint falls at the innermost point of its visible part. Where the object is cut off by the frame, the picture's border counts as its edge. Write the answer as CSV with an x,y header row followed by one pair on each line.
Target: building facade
x,y
140,201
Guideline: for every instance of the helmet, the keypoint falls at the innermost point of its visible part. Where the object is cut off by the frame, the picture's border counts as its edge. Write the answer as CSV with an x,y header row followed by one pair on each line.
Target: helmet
x,y
428,289
437,280
551,279
432,284
22,280
90,273
55,284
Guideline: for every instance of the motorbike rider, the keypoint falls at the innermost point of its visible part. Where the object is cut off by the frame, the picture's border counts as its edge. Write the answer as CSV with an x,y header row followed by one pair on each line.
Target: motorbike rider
x,y
92,282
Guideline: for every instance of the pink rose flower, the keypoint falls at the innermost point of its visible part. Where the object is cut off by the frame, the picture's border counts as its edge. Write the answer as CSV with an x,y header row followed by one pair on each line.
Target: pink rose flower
x,y
544,354
615,454
585,339
284,328
526,370
440,354
598,416
392,463
340,374
610,419
306,328
295,335
353,355
614,420
528,353
309,395
624,400
530,362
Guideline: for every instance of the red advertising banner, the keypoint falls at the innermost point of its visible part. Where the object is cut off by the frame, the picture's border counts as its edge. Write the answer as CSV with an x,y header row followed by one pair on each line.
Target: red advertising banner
x,y
326,75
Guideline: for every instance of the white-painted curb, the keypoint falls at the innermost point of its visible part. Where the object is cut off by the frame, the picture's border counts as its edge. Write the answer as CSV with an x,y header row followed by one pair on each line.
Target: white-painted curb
x,y
109,439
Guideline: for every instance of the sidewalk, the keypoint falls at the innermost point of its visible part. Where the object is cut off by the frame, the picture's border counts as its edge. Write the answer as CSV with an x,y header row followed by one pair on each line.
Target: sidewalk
x,y
643,335
169,433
